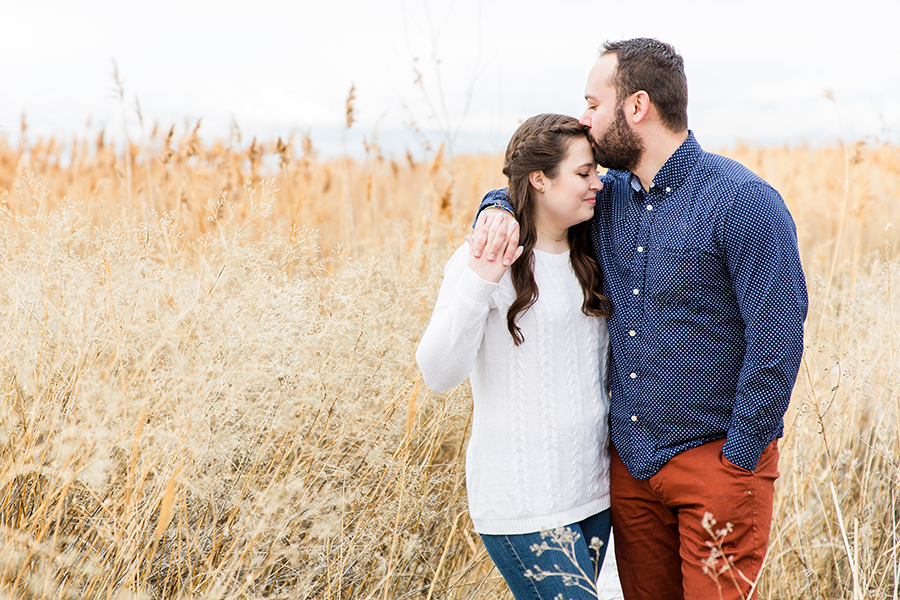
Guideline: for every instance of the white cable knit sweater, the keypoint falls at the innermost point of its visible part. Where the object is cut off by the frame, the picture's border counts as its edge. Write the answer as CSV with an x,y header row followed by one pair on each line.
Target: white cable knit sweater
x,y
538,457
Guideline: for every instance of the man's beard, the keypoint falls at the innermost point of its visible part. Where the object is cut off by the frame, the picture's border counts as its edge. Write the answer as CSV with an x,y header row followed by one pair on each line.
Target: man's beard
x,y
619,147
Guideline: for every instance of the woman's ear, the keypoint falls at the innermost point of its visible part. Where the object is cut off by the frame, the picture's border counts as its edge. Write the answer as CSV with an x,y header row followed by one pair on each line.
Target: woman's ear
x,y
537,180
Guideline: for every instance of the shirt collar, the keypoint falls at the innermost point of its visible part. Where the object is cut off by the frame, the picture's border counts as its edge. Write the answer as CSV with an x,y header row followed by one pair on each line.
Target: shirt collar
x,y
676,168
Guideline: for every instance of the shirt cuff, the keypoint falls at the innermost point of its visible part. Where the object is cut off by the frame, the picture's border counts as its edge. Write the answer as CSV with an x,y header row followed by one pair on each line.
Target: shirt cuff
x,y
494,198
473,287
743,449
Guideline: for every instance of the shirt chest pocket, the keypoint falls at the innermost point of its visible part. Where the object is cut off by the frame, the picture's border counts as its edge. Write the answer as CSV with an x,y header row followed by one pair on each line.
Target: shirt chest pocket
x,y
673,275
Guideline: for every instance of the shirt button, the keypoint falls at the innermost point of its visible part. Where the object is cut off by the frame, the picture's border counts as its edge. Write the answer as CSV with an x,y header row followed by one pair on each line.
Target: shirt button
x,y
634,417
632,333
640,249
668,189
649,207
634,375
635,291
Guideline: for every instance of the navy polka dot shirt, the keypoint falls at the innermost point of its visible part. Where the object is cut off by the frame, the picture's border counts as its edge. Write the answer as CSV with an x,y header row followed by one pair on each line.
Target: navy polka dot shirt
x,y
709,301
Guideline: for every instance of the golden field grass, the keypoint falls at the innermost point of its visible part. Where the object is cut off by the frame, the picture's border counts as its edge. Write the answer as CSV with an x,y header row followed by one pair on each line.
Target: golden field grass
x,y
208,386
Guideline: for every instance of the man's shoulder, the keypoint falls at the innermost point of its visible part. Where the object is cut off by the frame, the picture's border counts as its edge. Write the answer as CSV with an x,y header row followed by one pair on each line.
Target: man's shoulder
x,y
740,192
616,181
612,176
716,166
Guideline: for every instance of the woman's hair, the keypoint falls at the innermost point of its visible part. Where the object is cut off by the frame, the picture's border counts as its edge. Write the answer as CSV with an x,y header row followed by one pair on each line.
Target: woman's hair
x,y
541,144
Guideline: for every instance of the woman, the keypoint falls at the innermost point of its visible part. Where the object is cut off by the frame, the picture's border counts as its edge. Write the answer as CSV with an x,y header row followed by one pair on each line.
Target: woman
x,y
534,343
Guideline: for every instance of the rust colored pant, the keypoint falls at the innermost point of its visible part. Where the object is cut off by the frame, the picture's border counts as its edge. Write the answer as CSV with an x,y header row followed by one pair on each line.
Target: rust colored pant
x,y
662,548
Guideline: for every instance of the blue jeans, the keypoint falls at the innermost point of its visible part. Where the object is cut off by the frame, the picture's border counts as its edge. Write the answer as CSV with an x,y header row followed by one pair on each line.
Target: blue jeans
x,y
526,570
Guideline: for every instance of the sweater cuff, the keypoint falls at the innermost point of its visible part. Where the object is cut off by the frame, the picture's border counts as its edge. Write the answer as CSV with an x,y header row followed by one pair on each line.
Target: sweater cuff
x,y
473,287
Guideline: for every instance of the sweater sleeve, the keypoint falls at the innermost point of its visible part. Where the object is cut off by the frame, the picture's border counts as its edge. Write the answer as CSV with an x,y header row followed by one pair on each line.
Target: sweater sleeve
x,y
448,348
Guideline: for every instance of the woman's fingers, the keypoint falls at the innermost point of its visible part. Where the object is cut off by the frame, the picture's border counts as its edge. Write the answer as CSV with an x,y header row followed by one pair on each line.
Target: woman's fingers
x,y
513,250
499,237
518,252
487,269
492,232
482,227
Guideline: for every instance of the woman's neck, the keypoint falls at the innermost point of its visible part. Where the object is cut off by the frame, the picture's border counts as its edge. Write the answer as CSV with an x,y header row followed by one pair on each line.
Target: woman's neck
x,y
551,239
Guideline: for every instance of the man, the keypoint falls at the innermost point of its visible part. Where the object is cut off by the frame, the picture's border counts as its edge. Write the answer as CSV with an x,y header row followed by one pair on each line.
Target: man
x,y
709,299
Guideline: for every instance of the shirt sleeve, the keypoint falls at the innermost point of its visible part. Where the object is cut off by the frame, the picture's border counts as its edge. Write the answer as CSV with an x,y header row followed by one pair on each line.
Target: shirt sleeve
x,y
449,347
494,197
762,257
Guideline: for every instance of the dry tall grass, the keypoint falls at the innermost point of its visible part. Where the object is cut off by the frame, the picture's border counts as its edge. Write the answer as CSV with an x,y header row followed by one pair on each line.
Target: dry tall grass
x,y
209,390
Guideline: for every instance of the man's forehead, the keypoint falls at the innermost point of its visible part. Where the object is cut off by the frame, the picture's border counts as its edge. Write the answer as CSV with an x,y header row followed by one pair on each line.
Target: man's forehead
x,y
600,75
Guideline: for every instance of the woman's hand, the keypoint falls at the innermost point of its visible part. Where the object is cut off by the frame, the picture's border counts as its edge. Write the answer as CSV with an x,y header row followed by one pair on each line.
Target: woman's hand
x,y
491,270
496,235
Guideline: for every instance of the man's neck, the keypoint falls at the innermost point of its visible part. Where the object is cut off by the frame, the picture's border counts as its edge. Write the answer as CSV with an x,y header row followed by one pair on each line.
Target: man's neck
x,y
657,150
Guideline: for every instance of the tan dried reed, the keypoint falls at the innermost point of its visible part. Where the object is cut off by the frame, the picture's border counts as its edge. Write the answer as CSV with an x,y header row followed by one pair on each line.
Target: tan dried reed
x,y
217,401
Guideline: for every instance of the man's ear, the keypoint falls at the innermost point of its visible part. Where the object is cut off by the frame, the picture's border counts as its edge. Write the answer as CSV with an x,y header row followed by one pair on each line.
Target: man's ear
x,y
637,106
538,180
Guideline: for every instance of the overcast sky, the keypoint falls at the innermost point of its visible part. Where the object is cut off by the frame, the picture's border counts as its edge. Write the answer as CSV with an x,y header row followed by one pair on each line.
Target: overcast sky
x,y
756,70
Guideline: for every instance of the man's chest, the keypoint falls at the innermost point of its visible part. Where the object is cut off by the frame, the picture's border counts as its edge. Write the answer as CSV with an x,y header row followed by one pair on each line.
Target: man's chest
x,y
661,246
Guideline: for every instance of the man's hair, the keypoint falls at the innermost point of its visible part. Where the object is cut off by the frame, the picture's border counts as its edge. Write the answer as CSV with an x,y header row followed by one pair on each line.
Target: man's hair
x,y
655,67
